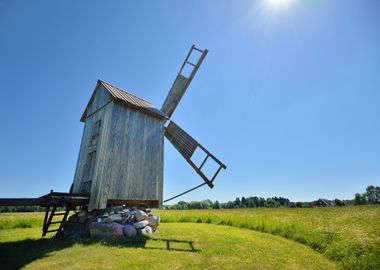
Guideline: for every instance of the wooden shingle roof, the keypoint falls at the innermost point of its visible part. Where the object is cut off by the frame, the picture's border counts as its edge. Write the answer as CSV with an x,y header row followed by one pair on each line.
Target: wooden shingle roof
x,y
126,98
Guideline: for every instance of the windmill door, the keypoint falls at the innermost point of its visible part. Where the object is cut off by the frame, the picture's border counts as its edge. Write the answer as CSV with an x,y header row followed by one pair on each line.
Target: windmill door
x,y
89,167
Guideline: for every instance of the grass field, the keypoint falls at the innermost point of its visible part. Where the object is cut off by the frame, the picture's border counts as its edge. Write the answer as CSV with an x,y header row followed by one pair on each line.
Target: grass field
x,y
323,238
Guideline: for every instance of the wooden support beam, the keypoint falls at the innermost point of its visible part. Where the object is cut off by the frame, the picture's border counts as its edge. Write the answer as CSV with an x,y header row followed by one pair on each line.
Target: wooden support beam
x,y
51,199
145,203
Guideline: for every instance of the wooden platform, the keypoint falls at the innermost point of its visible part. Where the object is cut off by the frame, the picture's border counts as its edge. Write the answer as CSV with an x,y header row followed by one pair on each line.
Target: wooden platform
x,y
70,200
57,199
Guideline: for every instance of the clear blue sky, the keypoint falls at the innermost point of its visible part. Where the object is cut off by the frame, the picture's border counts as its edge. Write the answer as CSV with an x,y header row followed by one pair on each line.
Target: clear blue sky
x,y
288,96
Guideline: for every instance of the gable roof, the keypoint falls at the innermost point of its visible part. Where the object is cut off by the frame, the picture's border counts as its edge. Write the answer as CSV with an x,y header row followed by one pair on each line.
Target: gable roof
x,y
126,98
326,202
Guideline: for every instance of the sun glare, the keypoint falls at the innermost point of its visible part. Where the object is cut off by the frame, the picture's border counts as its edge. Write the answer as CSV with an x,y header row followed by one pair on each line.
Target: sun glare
x,y
278,3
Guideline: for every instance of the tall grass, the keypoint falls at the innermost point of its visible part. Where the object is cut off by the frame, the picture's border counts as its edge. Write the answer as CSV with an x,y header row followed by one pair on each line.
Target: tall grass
x,y
20,220
348,235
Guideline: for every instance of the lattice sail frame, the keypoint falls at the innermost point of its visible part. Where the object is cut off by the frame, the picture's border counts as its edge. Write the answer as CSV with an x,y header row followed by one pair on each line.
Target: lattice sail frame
x,y
186,146
182,141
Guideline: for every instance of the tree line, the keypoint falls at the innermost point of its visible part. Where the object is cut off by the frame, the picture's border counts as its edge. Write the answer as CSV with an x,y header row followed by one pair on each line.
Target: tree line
x,y
370,196
249,202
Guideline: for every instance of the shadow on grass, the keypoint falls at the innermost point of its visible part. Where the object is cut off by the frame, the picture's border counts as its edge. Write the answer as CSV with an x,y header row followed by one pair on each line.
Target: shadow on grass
x,y
15,255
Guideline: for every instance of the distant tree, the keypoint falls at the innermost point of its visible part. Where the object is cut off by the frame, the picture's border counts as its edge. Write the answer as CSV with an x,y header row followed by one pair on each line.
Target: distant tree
x,y
372,194
251,202
244,202
298,204
223,205
271,203
216,205
206,204
182,205
230,205
283,201
256,201
339,202
261,202
348,202
237,203
360,199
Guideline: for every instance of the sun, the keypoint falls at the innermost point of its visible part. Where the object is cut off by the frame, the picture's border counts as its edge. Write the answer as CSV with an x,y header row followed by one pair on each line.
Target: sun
x,y
278,3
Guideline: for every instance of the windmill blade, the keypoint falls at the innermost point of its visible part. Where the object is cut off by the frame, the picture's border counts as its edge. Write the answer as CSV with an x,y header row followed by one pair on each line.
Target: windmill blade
x,y
181,82
186,146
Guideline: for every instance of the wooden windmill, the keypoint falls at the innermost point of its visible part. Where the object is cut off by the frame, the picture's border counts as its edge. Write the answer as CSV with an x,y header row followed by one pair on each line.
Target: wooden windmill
x,y
121,154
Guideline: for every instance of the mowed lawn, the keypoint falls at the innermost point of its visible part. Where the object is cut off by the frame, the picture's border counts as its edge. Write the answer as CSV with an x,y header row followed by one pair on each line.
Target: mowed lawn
x,y
173,246
323,238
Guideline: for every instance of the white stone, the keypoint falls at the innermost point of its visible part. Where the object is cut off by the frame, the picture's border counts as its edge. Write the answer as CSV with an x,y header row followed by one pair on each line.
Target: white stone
x,y
154,221
141,224
147,230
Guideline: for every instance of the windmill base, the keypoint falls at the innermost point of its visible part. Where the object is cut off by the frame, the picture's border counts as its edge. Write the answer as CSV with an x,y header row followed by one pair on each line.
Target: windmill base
x,y
69,201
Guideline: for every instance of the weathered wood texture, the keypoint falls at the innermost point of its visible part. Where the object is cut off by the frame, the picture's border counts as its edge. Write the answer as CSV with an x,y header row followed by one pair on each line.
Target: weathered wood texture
x,y
129,154
99,109
175,95
182,82
186,146
51,199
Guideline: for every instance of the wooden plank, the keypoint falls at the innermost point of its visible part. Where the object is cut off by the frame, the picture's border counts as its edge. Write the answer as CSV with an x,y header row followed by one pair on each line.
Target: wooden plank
x,y
130,203
56,222
176,92
50,199
50,231
181,83
100,98
64,219
47,224
182,141
66,194
203,162
45,219
185,192
97,110
99,182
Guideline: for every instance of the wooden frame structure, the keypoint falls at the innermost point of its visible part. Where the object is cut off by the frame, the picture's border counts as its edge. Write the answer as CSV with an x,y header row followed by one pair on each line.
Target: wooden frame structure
x,y
68,200
121,155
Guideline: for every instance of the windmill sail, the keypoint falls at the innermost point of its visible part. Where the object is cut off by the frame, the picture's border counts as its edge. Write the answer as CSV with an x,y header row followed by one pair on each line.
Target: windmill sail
x,y
182,81
186,146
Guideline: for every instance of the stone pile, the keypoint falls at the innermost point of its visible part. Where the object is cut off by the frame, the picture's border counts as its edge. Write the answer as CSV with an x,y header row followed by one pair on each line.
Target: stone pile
x,y
113,222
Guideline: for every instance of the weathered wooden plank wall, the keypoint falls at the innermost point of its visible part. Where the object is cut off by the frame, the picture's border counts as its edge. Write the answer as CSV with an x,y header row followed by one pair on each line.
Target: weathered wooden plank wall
x,y
97,110
129,153
131,165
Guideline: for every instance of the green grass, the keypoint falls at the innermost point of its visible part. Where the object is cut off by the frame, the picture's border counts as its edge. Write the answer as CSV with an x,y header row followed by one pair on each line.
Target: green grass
x,y
348,235
20,220
173,246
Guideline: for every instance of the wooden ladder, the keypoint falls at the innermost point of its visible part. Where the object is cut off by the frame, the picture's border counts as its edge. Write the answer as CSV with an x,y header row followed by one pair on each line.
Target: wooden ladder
x,y
48,220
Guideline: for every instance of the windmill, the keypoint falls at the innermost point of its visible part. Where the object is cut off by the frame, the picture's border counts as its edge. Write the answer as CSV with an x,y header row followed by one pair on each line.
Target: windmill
x,y
121,155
